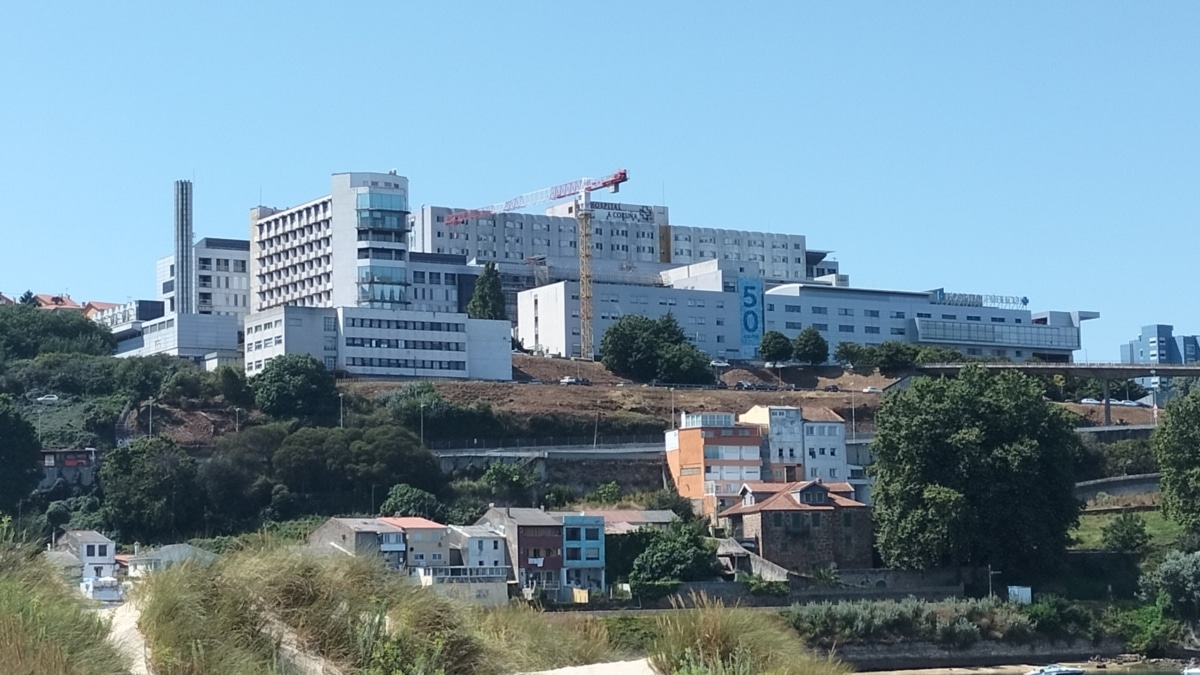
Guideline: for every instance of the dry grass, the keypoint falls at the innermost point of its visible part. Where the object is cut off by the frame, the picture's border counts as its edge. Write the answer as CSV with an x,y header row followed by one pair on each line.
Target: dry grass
x,y
711,639
522,639
46,627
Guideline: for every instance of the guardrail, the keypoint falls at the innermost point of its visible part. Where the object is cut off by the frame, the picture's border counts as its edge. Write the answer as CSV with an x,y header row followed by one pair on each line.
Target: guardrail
x,y
548,441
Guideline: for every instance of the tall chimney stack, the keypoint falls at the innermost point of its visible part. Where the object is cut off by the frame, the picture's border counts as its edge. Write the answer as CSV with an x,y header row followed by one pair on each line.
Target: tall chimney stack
x,y
185,293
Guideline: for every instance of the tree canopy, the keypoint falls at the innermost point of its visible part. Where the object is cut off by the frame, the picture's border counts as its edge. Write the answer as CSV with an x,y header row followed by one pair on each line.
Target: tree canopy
x,y
296,386
811,347
775,346
488,300
642,348
406,500
974,470
26,331
20,454
1176,443
150,490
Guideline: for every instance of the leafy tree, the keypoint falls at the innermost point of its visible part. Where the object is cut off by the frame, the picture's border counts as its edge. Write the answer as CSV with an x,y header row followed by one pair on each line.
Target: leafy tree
x,y
683,364
1126,534
607,493
488,300
26,331
643,349
20,453
236,481
1128,457
406,500
182,385
621,550
509,483
150,491
387,455
678,554
775,346
1181,386
848,354
313,460
895,355
811,347
296,386
558,496
670,500
231,384
1176,443
27,298
954,461
1177,581
935,354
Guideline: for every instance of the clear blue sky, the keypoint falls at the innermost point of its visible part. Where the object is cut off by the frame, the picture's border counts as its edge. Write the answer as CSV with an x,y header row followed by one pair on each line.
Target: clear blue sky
x,y
1042,149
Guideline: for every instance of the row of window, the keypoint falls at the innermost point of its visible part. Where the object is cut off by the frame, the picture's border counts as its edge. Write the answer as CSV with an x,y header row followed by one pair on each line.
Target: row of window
x,y
263,344
434,278
419,364
589,533
387,343
222,265
396,324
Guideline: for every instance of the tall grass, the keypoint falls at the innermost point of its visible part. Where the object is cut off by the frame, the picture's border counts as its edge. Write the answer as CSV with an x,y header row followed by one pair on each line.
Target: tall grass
x,y
712,639
46,627
229,618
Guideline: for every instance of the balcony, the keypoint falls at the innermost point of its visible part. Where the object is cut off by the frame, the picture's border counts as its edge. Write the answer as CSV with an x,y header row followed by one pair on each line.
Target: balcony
x,y
461,574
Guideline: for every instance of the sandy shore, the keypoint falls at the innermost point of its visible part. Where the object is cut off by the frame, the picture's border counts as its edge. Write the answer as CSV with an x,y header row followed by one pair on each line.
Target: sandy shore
x,y
642,668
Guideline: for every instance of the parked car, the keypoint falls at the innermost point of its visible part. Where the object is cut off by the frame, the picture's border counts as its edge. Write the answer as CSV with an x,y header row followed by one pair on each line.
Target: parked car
x,y
567,379
1089,401
744,385
830,387
718,363
48,398
872,390
721,384
1127,403
584,381
624,383
535,381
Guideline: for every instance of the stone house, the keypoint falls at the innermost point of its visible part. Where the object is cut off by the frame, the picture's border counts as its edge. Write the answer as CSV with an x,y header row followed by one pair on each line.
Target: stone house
x,y
803,526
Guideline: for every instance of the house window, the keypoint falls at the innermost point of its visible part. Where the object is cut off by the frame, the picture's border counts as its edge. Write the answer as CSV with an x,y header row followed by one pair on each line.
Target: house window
x,y
574,554
91,551
898,315
845,311
572,534
777,519
103,550
591,553
495,544
816,520
592,534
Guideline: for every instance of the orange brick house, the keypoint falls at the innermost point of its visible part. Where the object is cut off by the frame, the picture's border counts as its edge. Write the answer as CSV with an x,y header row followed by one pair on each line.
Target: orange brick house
x,y
710,456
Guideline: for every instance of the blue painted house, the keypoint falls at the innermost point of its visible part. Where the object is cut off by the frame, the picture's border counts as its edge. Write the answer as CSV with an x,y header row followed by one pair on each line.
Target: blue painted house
x,y
583,550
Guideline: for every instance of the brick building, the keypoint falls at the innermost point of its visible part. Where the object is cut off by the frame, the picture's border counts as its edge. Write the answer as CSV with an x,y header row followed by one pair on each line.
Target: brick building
x,y
535,544
803,526
711,456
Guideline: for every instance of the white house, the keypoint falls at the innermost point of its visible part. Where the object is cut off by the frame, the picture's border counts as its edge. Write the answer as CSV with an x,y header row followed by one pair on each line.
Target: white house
x,y
97,553
156,559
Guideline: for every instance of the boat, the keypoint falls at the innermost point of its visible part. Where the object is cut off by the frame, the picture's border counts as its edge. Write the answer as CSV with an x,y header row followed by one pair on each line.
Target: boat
x,y
1059,669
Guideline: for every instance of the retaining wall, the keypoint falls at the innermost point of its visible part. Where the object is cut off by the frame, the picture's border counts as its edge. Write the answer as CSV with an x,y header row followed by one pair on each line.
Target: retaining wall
x,y
1139,484
909,655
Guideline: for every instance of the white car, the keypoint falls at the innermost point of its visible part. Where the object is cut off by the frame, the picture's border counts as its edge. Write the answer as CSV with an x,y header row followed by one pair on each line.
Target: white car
x,y
872,390
1128,404
717,363
48,398
1089,401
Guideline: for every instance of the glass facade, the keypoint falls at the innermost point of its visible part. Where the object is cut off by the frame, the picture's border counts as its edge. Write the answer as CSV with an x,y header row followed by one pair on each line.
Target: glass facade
x,y
1024,335
382,286
386,201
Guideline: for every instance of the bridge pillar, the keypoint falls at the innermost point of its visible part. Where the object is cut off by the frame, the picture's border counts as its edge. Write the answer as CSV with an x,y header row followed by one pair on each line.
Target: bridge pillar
x,y
1107,405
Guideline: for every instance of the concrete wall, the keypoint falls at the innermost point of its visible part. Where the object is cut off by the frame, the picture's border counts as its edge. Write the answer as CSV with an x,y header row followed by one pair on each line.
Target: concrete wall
x,y
1140,484
733,592
986,653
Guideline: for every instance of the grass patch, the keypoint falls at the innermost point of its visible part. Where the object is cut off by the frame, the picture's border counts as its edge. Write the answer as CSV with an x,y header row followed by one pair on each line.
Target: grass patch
x,y
47,628
1087,536
712,639
228,619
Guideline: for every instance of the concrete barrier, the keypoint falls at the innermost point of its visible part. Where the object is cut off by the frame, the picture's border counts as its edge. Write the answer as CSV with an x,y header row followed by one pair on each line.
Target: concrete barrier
x,y
1139,484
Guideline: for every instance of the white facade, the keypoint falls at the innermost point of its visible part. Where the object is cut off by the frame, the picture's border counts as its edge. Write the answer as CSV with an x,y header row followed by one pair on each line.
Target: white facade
x,y
381,342
96,552
724,311
783,257
221,278
198,337
480,546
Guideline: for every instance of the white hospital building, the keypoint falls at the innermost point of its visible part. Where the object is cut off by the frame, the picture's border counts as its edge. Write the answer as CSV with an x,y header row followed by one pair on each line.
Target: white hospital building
x,y
333,278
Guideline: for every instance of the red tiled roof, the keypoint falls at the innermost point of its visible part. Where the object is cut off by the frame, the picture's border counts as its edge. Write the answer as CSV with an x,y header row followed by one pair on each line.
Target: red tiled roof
x,y
413,523
782,500
48,301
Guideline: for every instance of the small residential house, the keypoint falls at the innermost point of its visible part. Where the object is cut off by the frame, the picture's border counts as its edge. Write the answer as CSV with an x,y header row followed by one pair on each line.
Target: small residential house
x,y
621,521
806,444
96,552
710,456
425,540
143,562
803,526
535,544
65,563
583,551
478,569
361,537
76,466
5,300
477,546
53,302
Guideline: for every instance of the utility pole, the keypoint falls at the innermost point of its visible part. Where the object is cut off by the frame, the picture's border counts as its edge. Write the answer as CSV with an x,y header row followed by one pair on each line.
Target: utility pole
x,y
341,410
422,424
151,429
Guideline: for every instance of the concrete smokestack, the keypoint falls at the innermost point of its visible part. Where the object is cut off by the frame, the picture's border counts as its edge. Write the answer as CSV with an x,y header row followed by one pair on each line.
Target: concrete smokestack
x,y
185,276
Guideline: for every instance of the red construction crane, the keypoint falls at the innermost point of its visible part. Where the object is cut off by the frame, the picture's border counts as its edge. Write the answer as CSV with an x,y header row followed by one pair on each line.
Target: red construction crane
x,y
581,189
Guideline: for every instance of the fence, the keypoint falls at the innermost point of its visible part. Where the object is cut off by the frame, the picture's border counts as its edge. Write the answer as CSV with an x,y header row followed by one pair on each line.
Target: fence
x,y
547,441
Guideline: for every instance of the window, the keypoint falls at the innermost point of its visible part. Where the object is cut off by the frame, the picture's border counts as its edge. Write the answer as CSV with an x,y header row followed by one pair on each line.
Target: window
x,y
950,317
997,319
574,554
777,519
591,553
843,328
91,551
924,315
793,325
330,324
973,318
898,331
847,519
820,310
816,520
821,326
873,313
898,315
592,534
239,266
845,311
871,330
495,544
418,277
572,534
794,309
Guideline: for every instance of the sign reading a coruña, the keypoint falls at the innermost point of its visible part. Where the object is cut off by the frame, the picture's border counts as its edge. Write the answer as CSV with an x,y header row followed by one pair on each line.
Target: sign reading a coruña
x,y
629,213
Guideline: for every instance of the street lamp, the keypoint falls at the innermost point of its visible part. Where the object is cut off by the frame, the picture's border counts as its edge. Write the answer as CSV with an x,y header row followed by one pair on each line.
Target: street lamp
x,y
422,423
341,410
991,574
237,419
673,408
150,431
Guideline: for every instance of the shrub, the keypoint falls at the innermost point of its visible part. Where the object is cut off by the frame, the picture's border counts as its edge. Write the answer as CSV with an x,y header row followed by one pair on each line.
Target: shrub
x,y
960,633
653,589
1144,630
712,638
631,634
761,587
1057,619
1126,534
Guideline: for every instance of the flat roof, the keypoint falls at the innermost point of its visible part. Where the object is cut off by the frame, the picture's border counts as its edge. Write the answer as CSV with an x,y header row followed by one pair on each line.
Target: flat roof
x,y
225,244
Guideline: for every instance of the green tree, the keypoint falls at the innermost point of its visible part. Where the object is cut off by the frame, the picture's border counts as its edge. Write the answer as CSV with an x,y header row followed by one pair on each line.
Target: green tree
x,y
953,468
811,347
20,453
231,384
509,483
1125,534
775,346
488,300
1176,443
26,331
678,554
935,354
296,386
848,354
236,479
1128,457
1177,580
670,500
895,355
406,500
27,298
150,491
644,349
184,384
